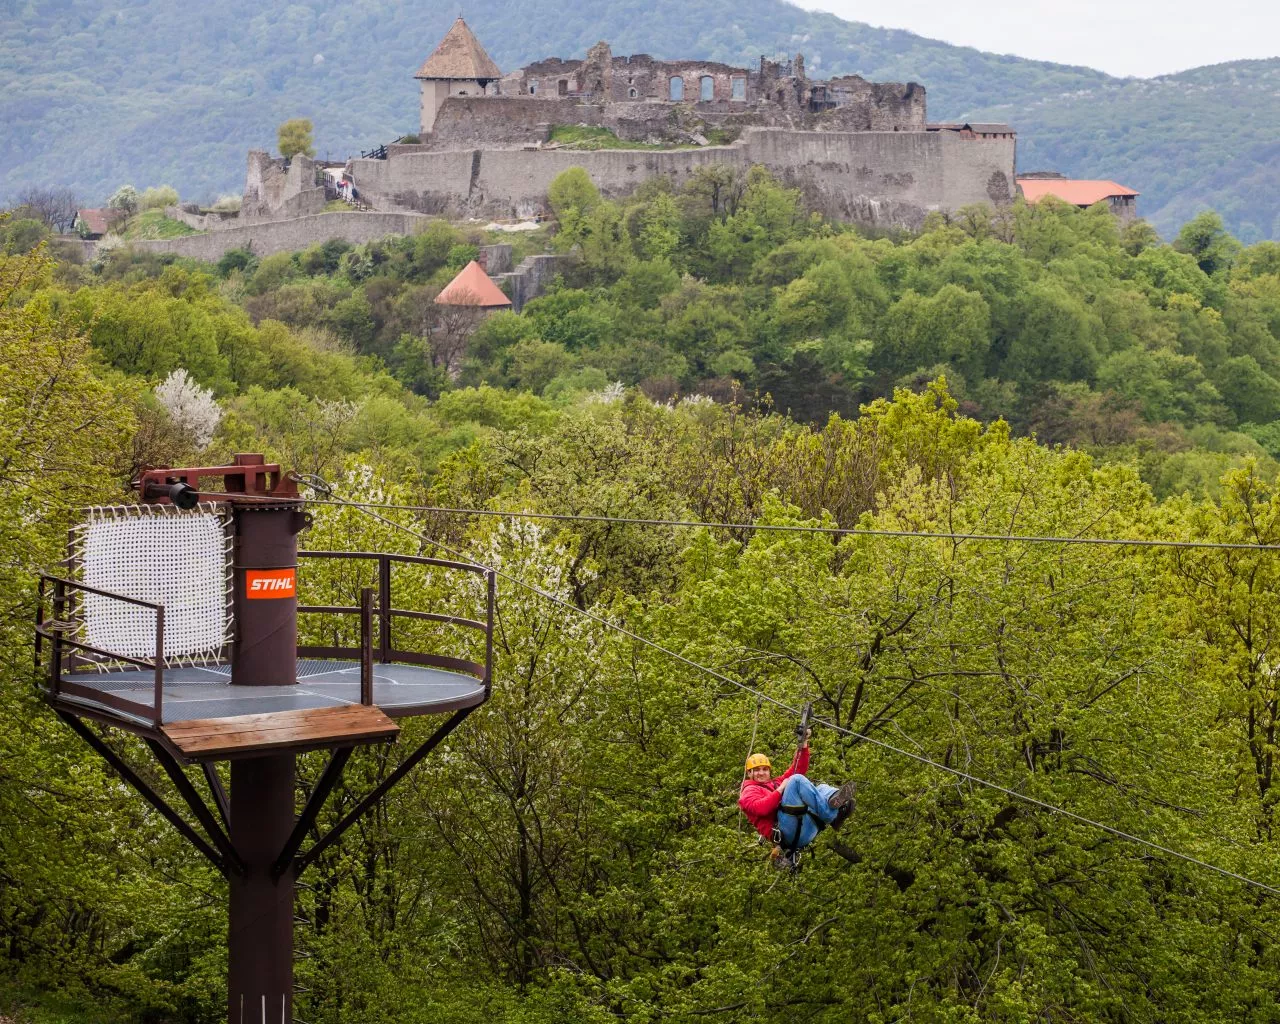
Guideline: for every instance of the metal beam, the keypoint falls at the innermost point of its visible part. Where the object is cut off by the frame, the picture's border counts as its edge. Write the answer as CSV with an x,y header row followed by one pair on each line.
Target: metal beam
x,y
218,793
150,795
405,766
198,807
324,786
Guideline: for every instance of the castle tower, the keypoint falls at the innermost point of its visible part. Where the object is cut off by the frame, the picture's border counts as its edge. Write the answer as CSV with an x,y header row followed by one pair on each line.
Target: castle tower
x,y
458,67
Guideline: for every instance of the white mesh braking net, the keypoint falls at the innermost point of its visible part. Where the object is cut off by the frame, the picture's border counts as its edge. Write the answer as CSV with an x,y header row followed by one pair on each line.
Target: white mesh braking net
x,y
169,557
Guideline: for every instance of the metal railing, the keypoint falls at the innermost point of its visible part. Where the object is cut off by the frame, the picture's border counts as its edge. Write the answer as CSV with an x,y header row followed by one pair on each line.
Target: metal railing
x,y
381,608
63,648
56,631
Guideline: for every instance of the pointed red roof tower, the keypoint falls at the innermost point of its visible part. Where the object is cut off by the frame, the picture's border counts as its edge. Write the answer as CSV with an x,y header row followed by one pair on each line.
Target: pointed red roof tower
x,y
460,57
458,67
473,287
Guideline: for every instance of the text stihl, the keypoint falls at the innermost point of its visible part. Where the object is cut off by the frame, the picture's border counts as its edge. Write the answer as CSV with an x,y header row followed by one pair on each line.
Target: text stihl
x,y
269,583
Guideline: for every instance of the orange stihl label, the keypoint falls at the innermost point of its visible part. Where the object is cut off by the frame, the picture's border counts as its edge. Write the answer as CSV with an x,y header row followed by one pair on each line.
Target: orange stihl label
x,y
264,583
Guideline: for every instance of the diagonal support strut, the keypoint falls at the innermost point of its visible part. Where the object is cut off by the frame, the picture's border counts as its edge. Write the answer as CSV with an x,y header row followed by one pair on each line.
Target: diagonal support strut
x,y
150,795
407,765
324,786
198,807
219,794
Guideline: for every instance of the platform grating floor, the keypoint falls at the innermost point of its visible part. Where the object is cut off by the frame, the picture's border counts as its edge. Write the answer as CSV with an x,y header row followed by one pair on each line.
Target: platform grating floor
x,y
206,692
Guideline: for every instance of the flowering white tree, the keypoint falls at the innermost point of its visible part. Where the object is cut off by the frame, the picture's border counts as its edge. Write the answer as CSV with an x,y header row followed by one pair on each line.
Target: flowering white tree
x,y
191,408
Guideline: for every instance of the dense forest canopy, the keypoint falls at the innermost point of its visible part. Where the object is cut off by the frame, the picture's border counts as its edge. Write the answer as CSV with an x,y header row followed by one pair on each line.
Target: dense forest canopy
x,y
160,92
713,354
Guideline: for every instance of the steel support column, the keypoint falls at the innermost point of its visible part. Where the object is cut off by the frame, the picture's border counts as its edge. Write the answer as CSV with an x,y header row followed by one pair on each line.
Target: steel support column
x,y
260,939
265,653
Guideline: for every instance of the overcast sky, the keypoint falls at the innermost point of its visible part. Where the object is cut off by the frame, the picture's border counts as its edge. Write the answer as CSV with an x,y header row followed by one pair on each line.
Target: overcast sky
x,y
1130,37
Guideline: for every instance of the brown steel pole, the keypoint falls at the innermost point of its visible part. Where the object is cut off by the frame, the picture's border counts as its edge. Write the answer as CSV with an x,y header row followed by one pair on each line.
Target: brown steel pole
x,y
260,940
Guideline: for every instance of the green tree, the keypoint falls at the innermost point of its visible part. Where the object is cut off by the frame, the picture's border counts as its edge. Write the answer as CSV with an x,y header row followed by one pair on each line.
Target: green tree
x,y
293,137
952,325
1204,238
572,194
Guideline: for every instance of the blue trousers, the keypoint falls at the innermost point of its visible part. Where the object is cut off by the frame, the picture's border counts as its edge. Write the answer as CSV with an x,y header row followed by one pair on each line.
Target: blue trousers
x,y
799,790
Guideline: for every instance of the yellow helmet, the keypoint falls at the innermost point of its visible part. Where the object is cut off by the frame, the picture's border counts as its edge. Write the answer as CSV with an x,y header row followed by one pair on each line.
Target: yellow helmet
x,y
758,761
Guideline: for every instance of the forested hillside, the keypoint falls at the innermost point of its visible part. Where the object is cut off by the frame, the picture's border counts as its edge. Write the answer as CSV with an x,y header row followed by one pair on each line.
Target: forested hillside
x,y
575,854
159,92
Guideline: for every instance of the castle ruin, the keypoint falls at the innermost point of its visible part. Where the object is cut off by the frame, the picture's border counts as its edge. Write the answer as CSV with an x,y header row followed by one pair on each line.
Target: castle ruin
x,y
467,100
859,151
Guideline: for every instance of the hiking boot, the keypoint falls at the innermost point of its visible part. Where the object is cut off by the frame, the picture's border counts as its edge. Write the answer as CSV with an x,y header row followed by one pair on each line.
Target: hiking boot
x,y
843,798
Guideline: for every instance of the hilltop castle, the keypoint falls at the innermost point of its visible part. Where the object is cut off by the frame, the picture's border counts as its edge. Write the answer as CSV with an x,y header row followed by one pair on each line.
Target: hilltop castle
x,y
859,151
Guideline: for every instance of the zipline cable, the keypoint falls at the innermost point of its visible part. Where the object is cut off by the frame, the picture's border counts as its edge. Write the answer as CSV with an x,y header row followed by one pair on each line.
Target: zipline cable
x,y
319,484
837,531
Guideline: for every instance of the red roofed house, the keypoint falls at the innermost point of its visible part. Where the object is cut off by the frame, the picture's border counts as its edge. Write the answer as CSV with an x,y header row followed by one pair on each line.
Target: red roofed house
x,y
1122,201
473,287
94,223
461,305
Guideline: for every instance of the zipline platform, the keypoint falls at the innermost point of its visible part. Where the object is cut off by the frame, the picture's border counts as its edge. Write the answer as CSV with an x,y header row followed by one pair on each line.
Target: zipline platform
x,y
204,717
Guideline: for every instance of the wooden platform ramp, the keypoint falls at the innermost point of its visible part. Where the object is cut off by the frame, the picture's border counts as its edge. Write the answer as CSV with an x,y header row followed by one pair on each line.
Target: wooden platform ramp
x,y
221,739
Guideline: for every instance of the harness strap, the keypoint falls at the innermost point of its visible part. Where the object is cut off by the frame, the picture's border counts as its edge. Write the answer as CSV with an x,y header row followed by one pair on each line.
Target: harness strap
x,y
797,811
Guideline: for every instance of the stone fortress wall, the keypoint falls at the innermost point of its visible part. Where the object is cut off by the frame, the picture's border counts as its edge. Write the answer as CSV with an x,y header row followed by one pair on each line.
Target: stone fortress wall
x,y
875,178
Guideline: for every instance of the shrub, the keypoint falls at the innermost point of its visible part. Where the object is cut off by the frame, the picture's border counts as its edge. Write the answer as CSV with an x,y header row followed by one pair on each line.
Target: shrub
x,y
159,197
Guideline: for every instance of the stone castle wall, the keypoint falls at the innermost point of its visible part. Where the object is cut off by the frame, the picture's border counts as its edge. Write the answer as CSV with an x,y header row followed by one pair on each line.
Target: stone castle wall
x,y
877,178
265,237
464,122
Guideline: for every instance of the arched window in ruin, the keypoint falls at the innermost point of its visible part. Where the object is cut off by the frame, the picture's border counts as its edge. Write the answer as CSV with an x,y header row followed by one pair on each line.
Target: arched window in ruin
x,y
706,89
739,86
563,87
677,87
632,93
533,88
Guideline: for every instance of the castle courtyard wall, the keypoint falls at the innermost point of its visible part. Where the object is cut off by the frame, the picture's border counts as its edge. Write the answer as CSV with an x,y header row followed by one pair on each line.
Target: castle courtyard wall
x,y
266,237
875,178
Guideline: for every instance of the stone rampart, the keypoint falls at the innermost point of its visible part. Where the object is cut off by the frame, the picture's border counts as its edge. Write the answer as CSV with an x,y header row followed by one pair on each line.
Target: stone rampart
x,y
530,279
513,122
878,178
502,120
265,237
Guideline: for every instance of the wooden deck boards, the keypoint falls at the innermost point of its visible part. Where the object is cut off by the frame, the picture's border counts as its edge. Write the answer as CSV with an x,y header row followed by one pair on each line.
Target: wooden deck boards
x,y
212,739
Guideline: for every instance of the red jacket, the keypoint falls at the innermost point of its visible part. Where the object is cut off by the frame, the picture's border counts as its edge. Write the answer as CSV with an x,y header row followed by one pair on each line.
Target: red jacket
x,y
759,800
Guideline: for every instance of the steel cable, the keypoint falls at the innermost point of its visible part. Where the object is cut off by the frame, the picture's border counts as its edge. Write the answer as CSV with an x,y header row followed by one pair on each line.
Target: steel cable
x,y
761,696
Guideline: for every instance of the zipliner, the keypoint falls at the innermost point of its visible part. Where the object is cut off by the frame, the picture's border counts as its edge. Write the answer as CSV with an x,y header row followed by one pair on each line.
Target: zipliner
x,y
789,810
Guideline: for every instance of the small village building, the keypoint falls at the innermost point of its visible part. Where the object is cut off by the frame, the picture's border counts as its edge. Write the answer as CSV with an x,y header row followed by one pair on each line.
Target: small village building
x,y
458,67
93,224
1121,200
474,288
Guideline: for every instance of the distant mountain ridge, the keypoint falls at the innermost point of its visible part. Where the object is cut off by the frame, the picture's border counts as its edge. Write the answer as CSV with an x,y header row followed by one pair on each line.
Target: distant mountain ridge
x,y
161,92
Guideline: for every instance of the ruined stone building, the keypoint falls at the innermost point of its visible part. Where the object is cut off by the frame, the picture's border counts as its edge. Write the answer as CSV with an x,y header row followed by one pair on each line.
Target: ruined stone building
x,y
466,99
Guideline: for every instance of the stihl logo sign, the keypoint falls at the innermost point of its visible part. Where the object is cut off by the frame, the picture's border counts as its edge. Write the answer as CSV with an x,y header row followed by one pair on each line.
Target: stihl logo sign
x,y
266,583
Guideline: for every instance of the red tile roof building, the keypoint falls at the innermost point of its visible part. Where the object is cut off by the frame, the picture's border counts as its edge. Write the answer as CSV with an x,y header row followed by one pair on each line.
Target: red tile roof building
x,y
94,223
1082,193
473,287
